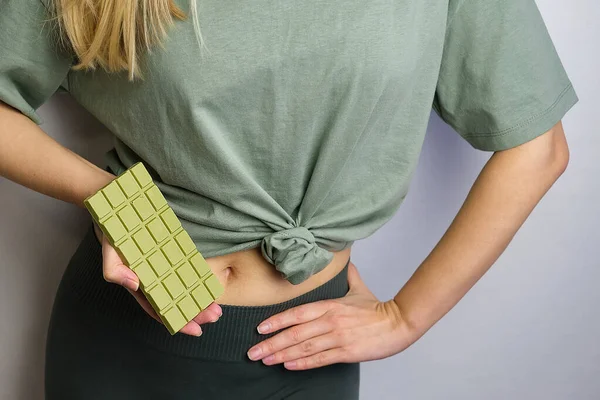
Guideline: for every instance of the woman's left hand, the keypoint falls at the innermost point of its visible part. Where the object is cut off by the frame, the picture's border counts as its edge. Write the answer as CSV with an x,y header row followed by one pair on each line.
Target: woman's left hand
x,y
354,328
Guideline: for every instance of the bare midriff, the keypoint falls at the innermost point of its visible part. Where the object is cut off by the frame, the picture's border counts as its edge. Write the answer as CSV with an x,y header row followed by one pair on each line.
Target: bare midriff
x,y
250,280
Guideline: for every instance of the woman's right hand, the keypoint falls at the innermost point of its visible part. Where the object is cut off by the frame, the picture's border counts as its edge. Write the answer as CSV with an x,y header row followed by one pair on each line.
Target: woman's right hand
x,y
115,271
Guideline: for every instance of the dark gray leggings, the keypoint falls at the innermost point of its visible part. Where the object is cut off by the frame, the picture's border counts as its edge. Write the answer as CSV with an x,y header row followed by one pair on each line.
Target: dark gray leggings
x,y
102,345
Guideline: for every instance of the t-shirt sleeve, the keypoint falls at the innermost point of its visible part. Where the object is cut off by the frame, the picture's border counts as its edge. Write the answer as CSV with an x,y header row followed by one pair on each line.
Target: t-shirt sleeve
x,y
32,66
501,81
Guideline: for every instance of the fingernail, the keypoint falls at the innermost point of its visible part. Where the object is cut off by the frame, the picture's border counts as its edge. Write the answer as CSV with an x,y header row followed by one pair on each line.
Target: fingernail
x,y
131,284
289,364
263,328
200,333
268,359
254,353
220,312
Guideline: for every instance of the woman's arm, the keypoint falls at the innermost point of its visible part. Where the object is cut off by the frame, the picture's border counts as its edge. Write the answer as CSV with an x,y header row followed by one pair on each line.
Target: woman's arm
x,y
33,159
358,327
504,194
29,157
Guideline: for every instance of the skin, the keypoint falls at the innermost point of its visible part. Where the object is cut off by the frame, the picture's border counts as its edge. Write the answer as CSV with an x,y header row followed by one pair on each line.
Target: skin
x,y
359,327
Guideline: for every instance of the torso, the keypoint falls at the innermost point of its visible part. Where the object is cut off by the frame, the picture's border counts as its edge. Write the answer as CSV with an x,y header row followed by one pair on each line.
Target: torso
x,y
302,115
249,280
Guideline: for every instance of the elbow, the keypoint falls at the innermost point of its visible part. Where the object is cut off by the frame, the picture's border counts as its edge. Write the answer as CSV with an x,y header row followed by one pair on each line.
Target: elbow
x,y
559,154
547,156
561,159
550,151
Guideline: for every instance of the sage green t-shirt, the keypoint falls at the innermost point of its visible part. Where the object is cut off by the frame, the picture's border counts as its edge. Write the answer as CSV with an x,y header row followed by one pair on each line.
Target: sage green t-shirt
x,y
300,129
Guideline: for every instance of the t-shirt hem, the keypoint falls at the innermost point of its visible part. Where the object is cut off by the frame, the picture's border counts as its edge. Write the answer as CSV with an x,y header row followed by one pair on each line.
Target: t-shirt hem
x,y
529,129
29,112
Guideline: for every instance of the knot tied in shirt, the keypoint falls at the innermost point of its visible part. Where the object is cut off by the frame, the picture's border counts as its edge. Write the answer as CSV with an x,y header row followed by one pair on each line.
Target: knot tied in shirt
x,y
295,253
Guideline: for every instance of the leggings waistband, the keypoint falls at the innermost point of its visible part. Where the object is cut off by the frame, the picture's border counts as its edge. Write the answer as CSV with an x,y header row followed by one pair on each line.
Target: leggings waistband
x,y
228,339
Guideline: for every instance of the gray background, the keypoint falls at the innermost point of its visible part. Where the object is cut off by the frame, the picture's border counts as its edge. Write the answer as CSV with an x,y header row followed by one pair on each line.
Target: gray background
x,y
527,330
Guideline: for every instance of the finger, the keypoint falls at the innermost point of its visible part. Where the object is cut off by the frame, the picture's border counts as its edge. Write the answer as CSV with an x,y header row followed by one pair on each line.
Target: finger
x,y
355,282
114,270
289,337
294,316
321,359
141,299
209,314
304,349
191,328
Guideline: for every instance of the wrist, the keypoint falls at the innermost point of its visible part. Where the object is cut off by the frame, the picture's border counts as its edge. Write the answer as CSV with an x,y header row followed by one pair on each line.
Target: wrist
x,y
96,179
411,324
401,324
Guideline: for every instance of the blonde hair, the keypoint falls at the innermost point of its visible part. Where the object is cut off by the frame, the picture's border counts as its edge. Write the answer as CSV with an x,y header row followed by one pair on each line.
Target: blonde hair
x,y
112,34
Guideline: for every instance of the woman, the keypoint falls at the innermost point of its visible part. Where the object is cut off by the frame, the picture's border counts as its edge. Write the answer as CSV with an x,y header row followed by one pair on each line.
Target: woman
x,y
280,133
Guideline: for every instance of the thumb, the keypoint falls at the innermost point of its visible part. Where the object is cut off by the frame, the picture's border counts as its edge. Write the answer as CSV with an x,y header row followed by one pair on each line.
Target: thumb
x,y
355,282
114,270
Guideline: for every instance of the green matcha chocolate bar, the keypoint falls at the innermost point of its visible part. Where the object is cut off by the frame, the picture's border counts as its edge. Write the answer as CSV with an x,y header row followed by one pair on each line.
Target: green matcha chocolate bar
x,y
144,230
